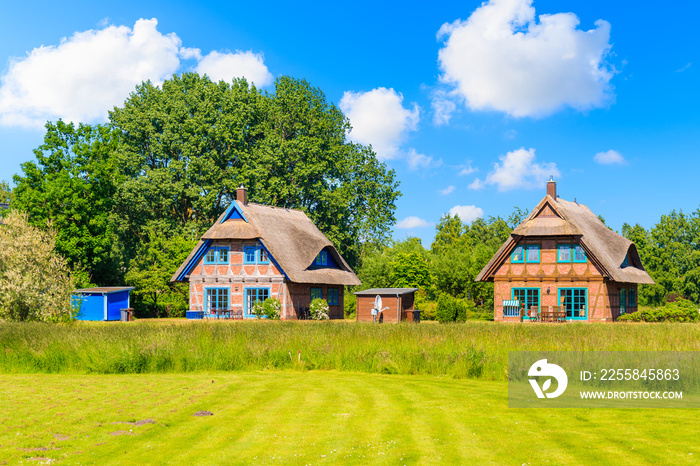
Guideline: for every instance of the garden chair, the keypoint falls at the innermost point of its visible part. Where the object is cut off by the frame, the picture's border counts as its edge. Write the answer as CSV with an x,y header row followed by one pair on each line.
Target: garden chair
x,y
533,314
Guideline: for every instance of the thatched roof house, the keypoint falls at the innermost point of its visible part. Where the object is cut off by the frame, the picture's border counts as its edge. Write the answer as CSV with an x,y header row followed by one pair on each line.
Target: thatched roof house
x,y
268,245
564,245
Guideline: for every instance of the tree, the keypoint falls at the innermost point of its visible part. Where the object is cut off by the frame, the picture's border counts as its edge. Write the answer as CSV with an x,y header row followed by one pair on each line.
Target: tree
x,y
187,145
35,282
72,185
5,192
410,270
150,272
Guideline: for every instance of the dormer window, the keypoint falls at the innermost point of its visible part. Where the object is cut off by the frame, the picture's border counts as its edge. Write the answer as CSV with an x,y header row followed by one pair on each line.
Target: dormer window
x,y
322,258
626,262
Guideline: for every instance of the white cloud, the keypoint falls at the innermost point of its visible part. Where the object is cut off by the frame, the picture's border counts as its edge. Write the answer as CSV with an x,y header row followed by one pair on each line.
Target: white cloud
x,y
467,170
379,118
447,190
610,157
518,169
476,185
226,66
443,105
503,59
88,73
467,213
85,75
680,70
412,222
416,160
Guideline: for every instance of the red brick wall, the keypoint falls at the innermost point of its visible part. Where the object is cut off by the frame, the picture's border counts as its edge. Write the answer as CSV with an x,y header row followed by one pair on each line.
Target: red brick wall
x,y
552,275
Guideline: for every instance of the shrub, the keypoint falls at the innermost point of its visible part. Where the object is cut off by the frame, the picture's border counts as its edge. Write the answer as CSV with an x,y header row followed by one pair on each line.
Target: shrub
x,y
271,308
350,305
446,310
681,310
257,309
319,309
35,282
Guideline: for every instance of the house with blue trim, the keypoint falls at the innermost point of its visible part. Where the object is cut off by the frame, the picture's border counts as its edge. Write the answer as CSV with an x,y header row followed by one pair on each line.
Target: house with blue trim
x,y
255,251
562,262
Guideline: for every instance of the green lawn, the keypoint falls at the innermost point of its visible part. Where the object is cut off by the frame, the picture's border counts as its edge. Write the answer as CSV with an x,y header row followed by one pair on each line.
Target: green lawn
x,y
317,417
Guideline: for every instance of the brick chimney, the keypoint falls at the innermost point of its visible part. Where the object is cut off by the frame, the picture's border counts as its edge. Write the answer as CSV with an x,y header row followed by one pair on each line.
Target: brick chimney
x,y
552,187
242,195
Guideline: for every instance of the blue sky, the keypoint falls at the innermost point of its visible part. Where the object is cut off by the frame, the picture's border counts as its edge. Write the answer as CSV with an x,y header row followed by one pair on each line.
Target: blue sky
x,y
474,105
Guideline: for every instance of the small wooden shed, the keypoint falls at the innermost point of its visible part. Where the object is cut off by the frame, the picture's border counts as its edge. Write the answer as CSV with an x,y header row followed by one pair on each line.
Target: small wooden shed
x,y
102,302
399,302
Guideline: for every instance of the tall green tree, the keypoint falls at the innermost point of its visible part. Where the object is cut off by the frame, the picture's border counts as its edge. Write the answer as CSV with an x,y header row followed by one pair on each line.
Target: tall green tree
x,y
72,184
5,192
188,144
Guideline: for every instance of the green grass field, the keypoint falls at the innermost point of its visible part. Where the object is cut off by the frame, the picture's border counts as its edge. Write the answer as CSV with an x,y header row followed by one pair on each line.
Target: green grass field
x,y
125,393
318,417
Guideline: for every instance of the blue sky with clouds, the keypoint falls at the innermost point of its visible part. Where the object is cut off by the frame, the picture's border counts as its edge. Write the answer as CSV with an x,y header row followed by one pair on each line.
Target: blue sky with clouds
x,y
474,105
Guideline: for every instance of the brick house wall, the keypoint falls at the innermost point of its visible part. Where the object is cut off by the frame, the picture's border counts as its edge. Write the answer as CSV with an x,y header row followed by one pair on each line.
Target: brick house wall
x,y
237,277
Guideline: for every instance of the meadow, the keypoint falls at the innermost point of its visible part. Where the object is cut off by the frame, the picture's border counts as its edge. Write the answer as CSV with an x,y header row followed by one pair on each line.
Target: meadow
x,y
128,393
475,350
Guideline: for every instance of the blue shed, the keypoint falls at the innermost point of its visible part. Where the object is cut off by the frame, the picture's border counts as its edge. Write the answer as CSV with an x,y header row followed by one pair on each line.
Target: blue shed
x,y
102,302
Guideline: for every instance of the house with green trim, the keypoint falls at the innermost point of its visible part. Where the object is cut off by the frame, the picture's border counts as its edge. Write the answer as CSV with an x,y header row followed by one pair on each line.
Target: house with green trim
x,y
255,251
563,260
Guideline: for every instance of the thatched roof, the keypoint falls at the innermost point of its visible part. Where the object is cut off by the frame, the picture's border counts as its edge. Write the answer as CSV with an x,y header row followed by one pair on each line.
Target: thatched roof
x,y
288,234
557,218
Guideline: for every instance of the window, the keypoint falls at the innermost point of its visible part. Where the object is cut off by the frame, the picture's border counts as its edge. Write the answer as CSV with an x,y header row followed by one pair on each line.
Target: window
x,y
579,253
322,258
528,296
333,296
253,295
626,262
573,300
255,255
563,253
250,255
316,293
632,298
623,301
533,253
216,298
216,255
518,255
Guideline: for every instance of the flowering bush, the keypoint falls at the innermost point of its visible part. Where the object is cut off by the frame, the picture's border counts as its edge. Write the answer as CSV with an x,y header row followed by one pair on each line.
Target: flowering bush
x,y
272,308
319,309
35,282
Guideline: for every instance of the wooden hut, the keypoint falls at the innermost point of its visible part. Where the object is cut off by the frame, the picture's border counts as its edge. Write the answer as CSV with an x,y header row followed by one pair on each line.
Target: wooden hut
x,y
397,304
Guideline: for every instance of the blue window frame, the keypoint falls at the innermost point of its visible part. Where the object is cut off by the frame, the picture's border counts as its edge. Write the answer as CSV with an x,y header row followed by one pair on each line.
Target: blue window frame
x,y
533,253
216,255
252,295
215,298
333,296
518,255
316,293
578,253
632,298
574,300
626,262
321,258
249,254
563,253
255,255
528,296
